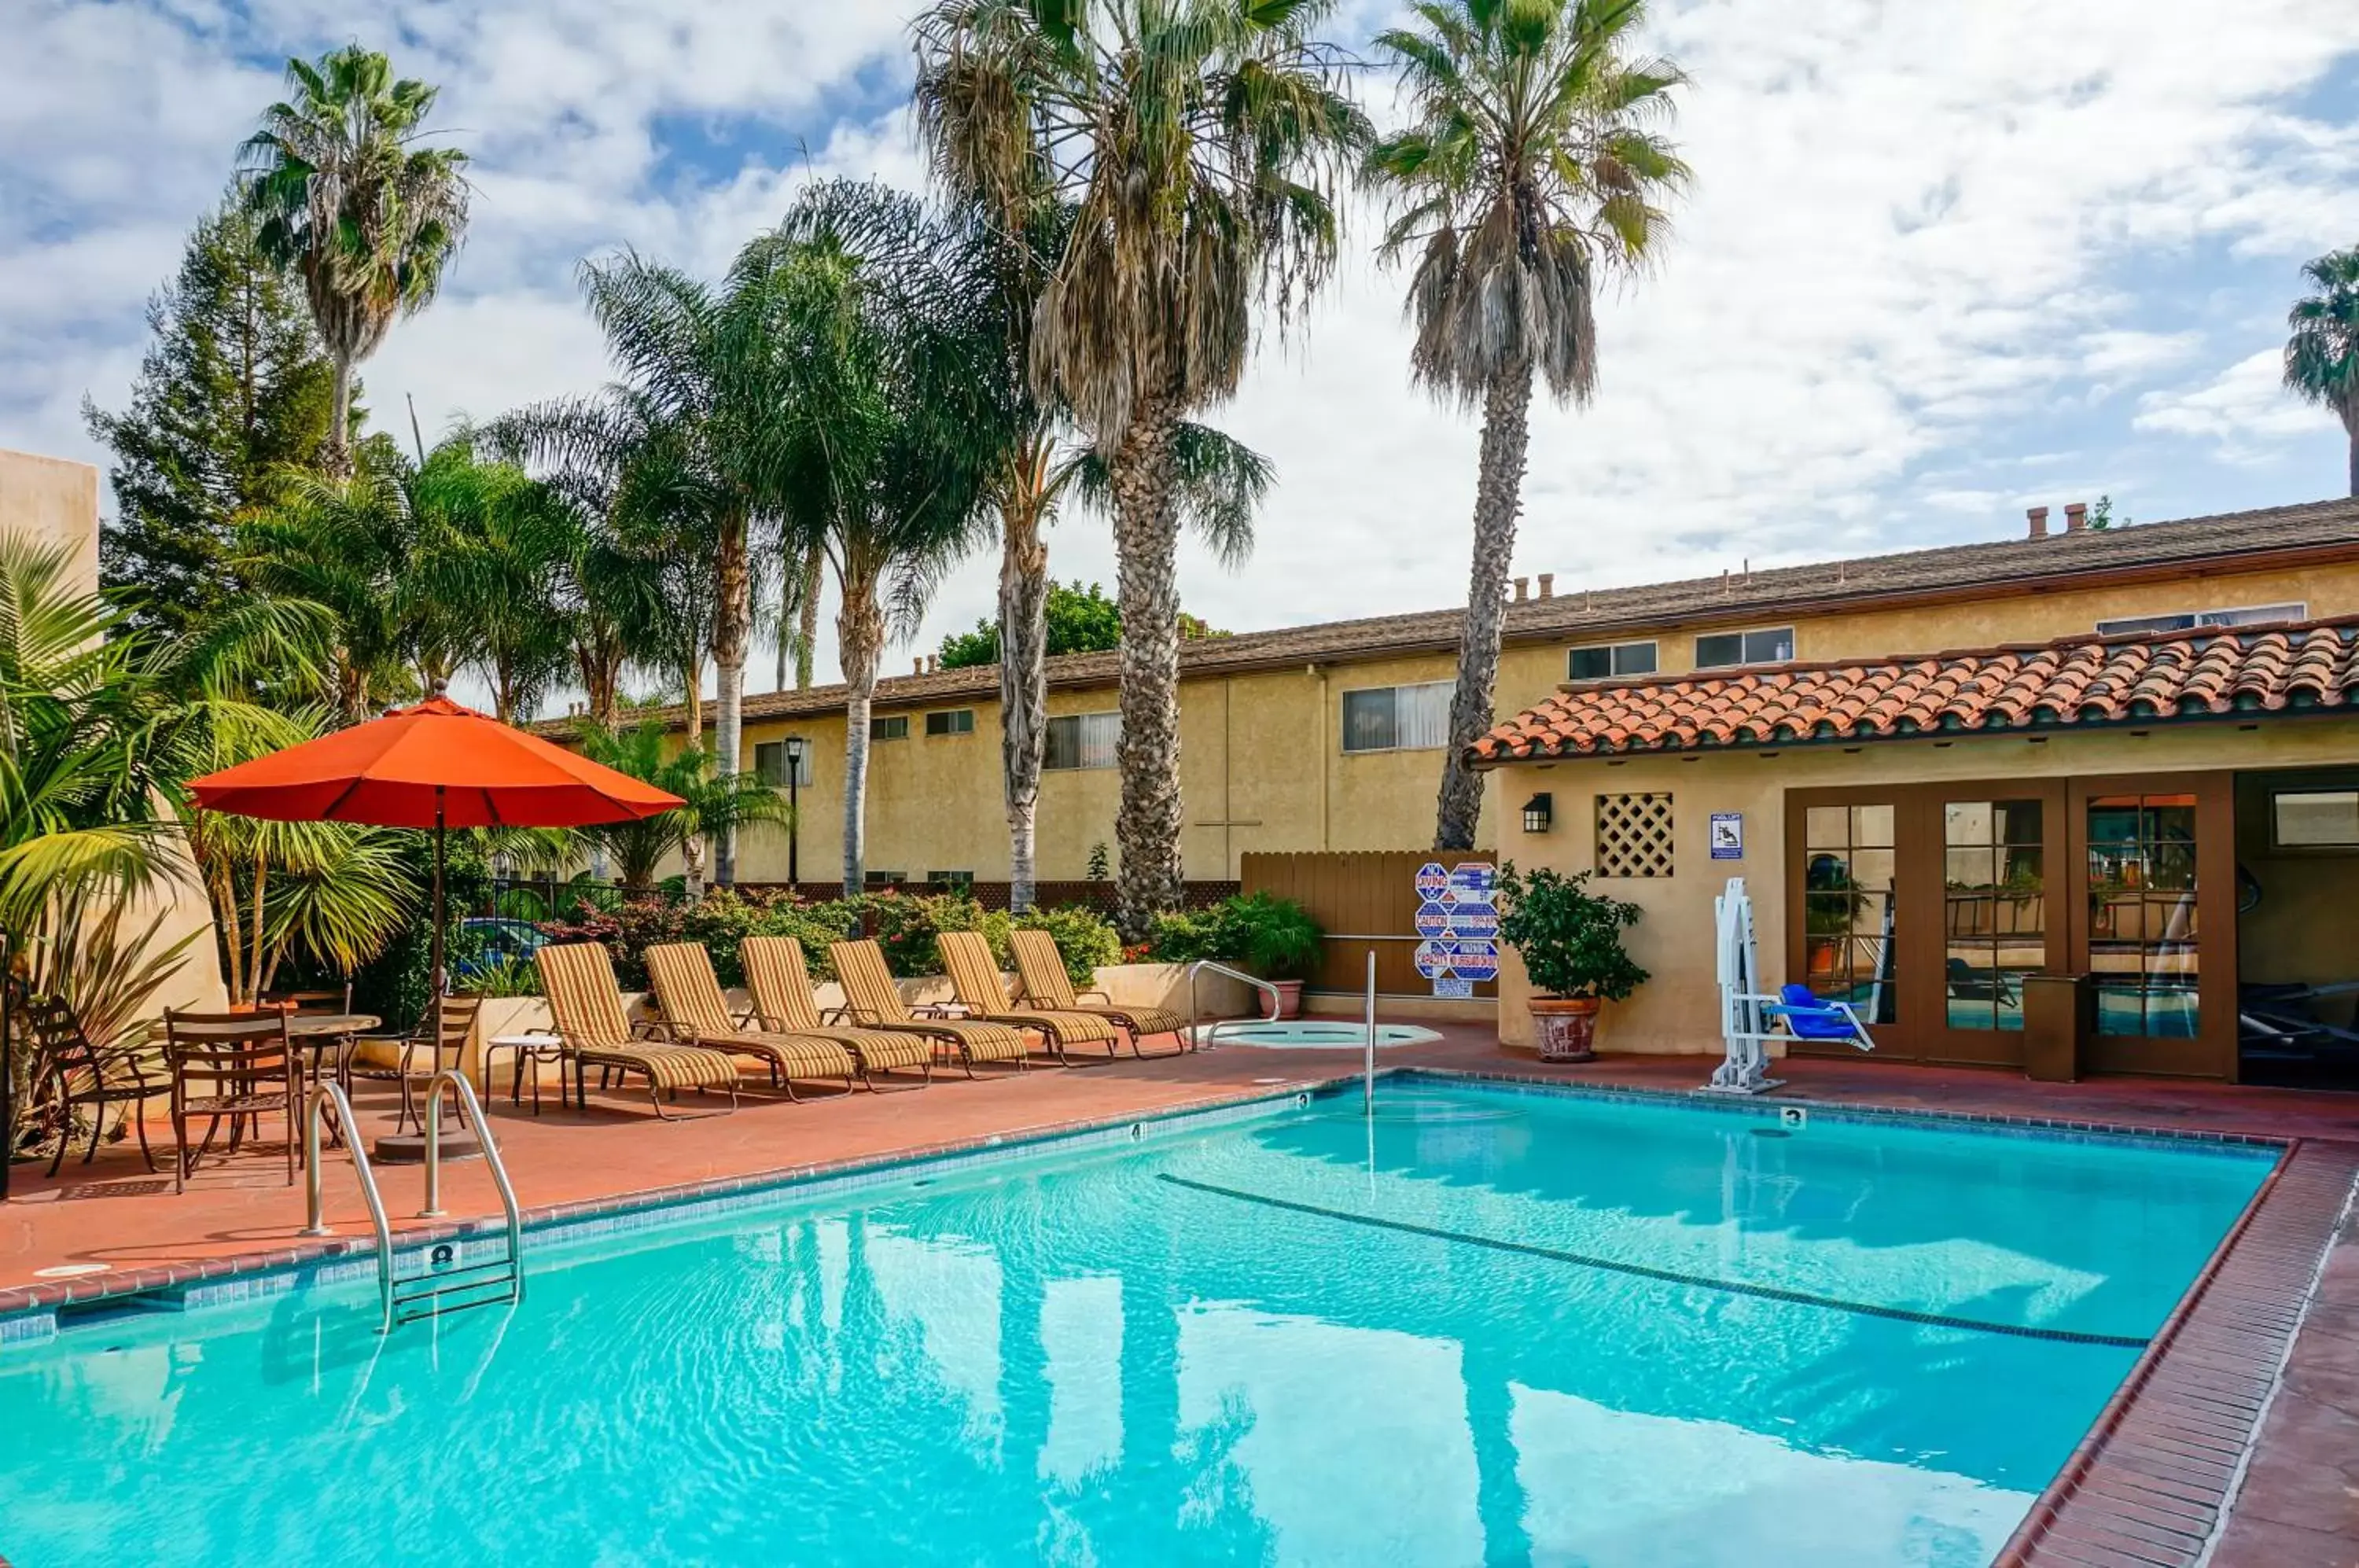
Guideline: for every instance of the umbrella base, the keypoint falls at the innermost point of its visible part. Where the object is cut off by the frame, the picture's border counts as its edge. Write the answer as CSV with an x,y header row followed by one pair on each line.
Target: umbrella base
x,y
409,1149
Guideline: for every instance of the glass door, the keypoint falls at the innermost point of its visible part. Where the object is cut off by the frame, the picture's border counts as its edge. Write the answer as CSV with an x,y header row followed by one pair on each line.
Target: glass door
x,y
1990,874
1849,878
2155,927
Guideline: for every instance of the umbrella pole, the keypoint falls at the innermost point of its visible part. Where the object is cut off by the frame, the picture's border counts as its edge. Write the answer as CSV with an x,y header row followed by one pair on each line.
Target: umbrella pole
x,y
436,1000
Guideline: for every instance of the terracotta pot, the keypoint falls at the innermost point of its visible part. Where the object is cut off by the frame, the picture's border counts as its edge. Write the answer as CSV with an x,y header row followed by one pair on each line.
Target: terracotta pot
x,y
1565,1028
1289,999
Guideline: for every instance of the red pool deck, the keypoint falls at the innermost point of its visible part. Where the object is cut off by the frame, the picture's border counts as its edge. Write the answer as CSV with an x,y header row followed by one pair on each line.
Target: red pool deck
x,y
2238,1433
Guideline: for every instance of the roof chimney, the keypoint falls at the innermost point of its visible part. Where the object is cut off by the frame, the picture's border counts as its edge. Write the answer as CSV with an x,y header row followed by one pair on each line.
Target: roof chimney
x,y
2076,516
1522,586
917,667
1548,585
2039,516
933,663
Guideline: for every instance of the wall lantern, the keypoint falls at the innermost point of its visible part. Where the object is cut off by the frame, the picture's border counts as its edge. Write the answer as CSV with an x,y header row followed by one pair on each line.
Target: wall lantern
x,y
1537,813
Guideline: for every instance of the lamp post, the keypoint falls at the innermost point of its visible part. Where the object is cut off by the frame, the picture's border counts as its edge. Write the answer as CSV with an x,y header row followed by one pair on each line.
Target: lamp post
x,y
795,745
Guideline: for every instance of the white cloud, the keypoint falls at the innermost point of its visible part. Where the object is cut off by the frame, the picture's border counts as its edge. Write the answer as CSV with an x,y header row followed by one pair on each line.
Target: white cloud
x,y
2244,410
1931,249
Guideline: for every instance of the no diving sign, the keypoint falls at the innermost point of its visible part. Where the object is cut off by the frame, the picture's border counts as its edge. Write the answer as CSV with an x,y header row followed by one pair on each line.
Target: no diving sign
x,y
1459,925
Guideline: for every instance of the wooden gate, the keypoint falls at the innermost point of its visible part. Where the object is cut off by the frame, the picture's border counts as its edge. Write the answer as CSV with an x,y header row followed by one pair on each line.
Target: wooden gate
x,y
1365,901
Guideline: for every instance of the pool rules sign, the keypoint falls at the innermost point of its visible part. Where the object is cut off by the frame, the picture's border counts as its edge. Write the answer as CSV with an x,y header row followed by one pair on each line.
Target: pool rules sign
x,y
1457,926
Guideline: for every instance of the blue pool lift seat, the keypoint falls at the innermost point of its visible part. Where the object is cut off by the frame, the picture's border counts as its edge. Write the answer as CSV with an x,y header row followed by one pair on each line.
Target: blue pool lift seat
x,y
1807,1016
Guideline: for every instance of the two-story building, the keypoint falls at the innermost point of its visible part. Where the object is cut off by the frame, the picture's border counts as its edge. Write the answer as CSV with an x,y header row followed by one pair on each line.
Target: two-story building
x,y
1946,769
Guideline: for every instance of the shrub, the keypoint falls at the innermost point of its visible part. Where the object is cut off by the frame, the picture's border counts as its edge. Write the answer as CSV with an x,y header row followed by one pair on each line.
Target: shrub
x,y
1571,939
1261,931
507,975
1084,939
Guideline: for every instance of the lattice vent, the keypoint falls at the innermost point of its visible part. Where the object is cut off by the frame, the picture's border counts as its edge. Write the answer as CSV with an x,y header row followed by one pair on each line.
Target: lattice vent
x,y
1634,836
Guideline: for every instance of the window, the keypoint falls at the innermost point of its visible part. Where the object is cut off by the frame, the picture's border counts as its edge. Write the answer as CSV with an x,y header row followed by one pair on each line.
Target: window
x,y
1718,651
885,878
1850,863
2145,946
2315,819
2245,616
951,878
895,727
1606,660
951,722
770,764
1082,740
1397,718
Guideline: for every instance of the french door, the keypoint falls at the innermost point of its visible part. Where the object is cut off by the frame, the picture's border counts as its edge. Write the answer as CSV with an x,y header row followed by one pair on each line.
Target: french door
x,y
1927,906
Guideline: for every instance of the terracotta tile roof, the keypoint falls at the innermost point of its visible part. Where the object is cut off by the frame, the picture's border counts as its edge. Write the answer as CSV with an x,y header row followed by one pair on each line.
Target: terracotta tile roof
x,y
1949,572
2076,682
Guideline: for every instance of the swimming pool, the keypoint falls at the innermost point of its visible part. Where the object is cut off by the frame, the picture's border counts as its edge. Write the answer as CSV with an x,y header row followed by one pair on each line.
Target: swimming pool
x,y
1489,1325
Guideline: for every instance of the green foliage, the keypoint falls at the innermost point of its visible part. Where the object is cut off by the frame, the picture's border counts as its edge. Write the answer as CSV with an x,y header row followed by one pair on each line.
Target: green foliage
x,y
505,976
711,804
233,384
1101,862
2102,516
1080,620
1272,936
905,926
2321,356
1570,938
349,200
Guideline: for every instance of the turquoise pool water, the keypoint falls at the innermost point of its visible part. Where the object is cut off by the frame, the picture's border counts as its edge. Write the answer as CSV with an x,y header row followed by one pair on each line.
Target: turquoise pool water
x,y
1477,1330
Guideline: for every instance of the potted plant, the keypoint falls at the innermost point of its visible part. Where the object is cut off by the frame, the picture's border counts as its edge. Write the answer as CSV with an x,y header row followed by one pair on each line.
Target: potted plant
x,y
1570,942
1277,939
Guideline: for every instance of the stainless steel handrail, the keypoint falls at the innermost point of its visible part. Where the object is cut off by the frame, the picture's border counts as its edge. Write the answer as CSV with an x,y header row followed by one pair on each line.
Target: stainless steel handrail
x,y
316,1221
473,1109
1201,1041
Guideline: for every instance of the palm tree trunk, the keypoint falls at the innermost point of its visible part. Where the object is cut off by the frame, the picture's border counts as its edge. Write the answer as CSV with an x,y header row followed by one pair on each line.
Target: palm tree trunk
x,y
336,456
1146,550
695,714
732,617
1022,669
806,630
859,645
601,661
1498,499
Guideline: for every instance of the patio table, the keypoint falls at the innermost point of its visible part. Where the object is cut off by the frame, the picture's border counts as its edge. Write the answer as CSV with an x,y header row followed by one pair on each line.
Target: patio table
x,y
533,1047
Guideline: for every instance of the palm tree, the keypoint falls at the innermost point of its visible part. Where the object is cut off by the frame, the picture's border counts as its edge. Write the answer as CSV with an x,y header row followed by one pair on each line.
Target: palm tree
x,y
714,803
1198,143
889,478
2322,358
352,203
381,555
1529,167
640,572
503,561
705,422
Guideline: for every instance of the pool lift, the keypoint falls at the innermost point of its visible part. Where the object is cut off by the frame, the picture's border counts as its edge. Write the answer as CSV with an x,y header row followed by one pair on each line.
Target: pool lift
x,y
1750,1018
449,1282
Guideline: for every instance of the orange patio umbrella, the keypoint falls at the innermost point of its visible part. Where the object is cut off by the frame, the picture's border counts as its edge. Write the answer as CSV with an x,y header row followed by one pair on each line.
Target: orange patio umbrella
x,y
437,766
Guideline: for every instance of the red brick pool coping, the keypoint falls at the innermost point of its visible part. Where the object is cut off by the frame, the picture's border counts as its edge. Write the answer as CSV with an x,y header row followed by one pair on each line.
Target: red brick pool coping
x,y
2149,1485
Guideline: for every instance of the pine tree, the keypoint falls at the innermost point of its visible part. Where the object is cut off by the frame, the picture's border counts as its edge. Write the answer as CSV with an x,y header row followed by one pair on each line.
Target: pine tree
x,y
234,384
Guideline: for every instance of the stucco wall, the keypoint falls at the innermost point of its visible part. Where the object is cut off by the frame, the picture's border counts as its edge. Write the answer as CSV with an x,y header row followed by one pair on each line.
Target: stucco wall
x,y
57,501
1678,1009
1262,765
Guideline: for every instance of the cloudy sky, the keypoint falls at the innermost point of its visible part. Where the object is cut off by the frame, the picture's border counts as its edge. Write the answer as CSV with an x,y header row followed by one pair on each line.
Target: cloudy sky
x,y
1944,259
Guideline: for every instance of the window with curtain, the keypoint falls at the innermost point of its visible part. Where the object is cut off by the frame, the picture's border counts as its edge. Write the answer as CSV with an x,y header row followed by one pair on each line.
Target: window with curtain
x,y
1082,740
1397,718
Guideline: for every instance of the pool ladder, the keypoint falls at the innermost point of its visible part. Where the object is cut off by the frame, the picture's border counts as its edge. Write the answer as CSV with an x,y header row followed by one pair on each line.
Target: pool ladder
x,y
448,1285
1197,1036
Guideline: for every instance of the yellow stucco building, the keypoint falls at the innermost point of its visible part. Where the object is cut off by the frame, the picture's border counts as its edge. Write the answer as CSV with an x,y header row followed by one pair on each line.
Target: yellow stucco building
x,y
1326,738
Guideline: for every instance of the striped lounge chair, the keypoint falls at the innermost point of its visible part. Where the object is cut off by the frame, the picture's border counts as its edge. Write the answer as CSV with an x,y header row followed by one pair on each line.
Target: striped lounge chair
x,y
687,993
587,1007
779,982
872,1000
1041,969
975,980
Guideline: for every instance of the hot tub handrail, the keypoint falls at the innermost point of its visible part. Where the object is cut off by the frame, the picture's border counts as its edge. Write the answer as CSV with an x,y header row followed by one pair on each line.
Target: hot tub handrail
x,y
1199,1040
